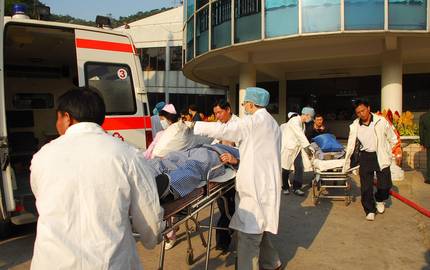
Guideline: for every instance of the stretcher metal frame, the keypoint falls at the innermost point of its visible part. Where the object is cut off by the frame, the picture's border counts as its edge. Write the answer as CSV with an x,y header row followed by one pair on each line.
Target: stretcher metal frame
x,y
187,209
331,179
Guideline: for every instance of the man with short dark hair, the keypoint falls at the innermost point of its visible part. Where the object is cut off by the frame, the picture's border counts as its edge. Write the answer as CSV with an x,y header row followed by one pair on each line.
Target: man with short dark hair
x,y
223,113
86,184
376,138
425,140
315,127
258,179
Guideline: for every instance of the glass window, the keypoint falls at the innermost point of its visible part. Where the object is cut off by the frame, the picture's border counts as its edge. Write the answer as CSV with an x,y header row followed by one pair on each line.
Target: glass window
x,y
201,3
364,14
247,14
175,58
190,8
152,58
202,31
281,17
320,16
273,89
115,84
221,23
416,92
184,10
411,15
190,39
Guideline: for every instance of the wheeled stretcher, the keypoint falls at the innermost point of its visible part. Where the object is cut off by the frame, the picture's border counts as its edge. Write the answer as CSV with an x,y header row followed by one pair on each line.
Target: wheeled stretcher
x,y
187,208
329,177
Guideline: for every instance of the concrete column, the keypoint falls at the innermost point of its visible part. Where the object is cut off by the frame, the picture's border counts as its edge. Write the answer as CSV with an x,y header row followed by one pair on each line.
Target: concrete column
x,y
167,72
231,95
391,81
282,101
247,78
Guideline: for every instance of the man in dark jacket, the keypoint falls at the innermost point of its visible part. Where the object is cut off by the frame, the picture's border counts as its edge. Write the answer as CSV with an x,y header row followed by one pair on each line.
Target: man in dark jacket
x,y
316,127
425,140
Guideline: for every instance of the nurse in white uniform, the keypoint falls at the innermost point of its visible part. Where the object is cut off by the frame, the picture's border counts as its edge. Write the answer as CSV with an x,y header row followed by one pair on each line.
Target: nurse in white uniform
x,y
258,180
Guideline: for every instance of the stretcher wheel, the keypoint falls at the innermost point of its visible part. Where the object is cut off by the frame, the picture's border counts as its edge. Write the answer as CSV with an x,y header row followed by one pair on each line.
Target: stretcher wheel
x,y
190,257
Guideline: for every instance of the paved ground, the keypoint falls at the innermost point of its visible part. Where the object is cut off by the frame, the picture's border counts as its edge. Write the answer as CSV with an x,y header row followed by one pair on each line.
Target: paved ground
x,y
328,236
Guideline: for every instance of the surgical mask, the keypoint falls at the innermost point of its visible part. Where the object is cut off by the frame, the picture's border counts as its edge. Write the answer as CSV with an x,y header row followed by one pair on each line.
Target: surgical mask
x,y
164,123
308,119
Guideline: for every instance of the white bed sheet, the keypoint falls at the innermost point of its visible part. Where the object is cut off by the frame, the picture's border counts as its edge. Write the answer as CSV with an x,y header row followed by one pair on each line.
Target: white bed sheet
x,y
325,165
228,175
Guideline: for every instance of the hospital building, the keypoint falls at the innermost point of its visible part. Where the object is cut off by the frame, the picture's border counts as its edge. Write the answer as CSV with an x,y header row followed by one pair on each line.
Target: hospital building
x,y
322,53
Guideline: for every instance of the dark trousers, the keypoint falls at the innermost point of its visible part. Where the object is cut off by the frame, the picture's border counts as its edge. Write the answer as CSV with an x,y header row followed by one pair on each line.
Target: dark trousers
x,y
428,164
368,166
298,174
223,237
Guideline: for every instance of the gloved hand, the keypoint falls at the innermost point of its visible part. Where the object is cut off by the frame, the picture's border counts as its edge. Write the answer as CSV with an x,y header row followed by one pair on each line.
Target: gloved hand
x,y
309,152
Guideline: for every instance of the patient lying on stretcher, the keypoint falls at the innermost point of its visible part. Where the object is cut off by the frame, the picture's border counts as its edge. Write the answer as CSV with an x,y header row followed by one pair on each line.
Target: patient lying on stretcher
x,y
180,172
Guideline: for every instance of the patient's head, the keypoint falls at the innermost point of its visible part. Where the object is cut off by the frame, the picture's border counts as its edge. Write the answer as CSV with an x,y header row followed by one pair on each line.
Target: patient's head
x,y
168,116
79,105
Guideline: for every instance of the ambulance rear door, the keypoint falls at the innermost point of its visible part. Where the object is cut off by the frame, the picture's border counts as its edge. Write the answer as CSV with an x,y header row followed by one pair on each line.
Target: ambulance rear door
x,y
7,202
107,62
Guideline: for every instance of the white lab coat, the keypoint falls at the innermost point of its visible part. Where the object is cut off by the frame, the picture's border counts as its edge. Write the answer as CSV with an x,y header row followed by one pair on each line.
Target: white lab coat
x,y
293,141
86,184
385,138
176,137
258,180
232,119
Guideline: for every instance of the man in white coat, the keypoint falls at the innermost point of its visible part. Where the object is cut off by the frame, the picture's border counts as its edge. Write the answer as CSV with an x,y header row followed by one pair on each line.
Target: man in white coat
x,y
258,180
293,141
86,184
374,136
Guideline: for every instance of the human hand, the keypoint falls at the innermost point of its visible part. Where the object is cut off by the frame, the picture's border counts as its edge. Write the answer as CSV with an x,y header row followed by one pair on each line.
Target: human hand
x,y
228,158
308,151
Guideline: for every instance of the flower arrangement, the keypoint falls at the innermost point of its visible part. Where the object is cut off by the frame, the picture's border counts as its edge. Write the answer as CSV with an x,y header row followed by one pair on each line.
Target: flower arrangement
x,y
404,123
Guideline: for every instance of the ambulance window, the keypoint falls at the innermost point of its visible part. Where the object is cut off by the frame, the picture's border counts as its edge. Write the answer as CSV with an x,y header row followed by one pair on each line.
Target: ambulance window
x,y
115,83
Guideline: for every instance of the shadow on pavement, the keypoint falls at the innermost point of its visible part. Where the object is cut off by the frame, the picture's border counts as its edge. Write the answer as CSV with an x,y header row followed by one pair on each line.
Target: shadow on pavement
x,y
18,248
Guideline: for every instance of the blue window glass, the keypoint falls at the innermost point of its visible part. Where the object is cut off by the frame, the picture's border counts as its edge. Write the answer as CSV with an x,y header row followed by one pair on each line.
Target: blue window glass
x,y
221,23
320,16
247,14
190,7
202,31
364,14
410,15
281,17
190,38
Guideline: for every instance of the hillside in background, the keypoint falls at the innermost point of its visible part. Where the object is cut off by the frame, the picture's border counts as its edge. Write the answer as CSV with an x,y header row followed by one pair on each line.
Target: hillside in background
x,y
31,4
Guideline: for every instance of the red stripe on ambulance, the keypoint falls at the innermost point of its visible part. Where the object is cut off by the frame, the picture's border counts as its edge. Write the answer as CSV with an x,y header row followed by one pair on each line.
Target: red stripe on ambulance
x,y
123,123
104,45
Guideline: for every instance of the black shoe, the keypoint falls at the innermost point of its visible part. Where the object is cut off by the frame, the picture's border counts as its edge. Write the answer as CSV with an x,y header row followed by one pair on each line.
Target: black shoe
x,y
223,249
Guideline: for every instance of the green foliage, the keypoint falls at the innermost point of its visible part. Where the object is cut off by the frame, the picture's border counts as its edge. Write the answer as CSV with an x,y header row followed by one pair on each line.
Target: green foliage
x,y
69,19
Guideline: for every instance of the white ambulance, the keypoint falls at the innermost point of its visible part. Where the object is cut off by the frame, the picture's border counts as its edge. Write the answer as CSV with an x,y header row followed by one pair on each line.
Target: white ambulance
x,y
41,60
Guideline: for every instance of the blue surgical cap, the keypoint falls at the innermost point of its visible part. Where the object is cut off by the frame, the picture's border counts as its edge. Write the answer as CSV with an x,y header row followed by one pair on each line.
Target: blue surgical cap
x,y
308,110
258,96
158,107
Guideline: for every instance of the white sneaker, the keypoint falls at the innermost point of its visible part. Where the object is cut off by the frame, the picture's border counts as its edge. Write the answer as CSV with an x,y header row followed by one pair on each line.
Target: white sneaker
x,y
370,217
380,207
286,191
299,192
